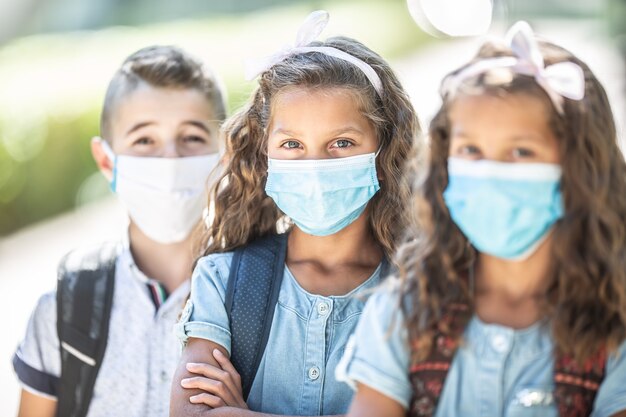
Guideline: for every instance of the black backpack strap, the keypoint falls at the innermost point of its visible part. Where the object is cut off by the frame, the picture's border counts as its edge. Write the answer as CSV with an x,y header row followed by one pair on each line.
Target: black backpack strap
x,y
84,299
256,274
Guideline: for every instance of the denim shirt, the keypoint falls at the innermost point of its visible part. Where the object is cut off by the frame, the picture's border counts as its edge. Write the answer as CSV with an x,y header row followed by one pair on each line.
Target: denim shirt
x,y
498,371
307,339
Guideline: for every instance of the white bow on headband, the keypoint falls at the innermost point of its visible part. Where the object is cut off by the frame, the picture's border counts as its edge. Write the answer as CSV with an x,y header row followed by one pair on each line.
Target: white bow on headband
x,y
311,28
564,79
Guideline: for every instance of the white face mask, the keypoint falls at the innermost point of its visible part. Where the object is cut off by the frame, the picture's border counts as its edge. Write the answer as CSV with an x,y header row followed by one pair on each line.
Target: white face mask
x,y
164,197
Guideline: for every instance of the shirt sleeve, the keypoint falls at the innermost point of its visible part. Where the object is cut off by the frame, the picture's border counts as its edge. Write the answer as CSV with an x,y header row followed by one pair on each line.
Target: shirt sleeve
x,y
204,315
378,352
37,361
611,397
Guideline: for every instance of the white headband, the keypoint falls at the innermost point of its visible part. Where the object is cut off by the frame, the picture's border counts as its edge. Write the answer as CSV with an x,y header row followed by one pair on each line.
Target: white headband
x,y
310,29
565,79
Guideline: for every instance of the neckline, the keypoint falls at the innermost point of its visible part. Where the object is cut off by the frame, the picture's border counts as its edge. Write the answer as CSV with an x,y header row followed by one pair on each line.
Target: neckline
x,y
364,284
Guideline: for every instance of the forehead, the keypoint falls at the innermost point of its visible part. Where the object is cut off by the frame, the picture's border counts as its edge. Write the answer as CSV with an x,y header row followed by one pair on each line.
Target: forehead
x,y
296,106
163,106
515,113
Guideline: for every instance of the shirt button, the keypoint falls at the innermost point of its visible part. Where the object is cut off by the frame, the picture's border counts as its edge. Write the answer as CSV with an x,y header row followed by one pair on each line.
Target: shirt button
x,y
500,343
323,309
314,373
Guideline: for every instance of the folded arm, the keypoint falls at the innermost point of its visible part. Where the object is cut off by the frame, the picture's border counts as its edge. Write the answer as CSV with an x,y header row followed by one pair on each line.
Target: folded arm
x,y
206,384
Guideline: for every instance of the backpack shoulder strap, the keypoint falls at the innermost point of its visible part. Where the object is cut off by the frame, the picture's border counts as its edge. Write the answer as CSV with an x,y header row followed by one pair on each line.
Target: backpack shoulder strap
x,y
428,376
575,385
256,274
84,300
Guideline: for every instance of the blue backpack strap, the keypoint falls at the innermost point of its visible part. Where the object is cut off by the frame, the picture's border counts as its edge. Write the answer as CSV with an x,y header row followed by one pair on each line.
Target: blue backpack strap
x,y
84,300
256,274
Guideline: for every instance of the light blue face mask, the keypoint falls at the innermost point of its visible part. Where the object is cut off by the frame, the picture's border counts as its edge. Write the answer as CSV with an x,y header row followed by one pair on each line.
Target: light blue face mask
x,y
322,196
504,209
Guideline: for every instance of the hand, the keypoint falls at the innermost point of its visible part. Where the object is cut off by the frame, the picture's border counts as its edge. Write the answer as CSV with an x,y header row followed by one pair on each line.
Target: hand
x,y
222,386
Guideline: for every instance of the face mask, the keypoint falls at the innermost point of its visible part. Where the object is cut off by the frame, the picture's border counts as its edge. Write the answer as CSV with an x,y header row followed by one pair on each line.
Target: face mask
x,y
504,209
325,195
164,196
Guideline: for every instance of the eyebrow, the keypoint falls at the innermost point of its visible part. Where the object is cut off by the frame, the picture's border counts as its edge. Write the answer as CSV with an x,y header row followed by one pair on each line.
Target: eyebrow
x,y
195,123
138,126
516,138
531,137
198,124
341,131
348,129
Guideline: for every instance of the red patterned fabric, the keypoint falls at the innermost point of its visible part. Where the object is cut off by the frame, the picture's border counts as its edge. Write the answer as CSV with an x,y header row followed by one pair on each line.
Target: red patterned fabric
x,y
428,377
575,386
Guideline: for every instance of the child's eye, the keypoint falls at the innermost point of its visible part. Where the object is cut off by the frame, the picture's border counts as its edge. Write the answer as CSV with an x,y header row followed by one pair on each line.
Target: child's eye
x,y
468,150
342,143
520,153
291,144
194,138
143,141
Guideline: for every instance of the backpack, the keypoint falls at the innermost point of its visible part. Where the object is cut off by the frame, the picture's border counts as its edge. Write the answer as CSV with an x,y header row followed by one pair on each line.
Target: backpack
x,y
84,299
256,274
575,389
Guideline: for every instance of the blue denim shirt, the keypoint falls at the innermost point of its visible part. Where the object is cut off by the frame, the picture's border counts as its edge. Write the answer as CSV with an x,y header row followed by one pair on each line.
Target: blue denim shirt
x,y
498,371
308,338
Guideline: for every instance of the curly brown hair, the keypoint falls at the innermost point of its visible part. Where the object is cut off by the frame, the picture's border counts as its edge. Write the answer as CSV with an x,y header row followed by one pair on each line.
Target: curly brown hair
x,y
586,300
244,212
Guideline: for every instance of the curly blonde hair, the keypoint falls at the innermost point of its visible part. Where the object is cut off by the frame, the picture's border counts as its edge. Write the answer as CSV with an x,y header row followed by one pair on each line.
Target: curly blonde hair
x,y
586,300
244,212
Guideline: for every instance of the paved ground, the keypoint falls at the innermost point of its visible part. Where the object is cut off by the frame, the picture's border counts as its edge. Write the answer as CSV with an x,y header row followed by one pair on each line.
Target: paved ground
x,y
28,259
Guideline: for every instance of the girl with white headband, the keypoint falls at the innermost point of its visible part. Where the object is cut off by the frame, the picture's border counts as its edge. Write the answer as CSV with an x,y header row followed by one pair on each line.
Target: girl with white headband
x,y
511,297
318,151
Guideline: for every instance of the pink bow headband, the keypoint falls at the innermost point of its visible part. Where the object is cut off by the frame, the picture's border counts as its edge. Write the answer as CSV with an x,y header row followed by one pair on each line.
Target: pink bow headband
x,y
311,28
565,79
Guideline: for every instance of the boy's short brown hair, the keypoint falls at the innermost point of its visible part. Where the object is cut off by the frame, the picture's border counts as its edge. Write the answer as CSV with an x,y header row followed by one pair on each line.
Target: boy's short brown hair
x,y
165,67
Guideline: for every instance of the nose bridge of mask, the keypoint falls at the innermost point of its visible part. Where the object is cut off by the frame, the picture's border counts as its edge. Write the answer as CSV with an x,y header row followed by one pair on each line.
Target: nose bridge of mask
x,y
180,175
322,196
321,165
534,171
503,208
322,175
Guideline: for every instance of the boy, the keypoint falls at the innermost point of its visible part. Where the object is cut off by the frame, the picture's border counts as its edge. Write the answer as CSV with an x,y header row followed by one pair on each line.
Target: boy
x,y
159,144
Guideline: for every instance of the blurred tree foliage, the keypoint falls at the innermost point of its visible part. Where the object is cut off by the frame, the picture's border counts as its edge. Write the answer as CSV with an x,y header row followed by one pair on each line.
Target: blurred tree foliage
x,y
51,89
616,13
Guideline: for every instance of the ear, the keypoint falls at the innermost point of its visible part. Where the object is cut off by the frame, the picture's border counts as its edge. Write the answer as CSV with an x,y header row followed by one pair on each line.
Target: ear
x,y
224,160
104,163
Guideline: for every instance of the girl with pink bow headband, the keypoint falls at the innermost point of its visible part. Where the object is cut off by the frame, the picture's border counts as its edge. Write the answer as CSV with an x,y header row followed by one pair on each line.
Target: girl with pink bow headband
x,y
511,296
319,150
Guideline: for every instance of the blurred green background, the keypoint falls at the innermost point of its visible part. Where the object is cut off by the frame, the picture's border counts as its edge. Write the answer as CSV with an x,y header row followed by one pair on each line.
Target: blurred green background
x,y
56,57
52,85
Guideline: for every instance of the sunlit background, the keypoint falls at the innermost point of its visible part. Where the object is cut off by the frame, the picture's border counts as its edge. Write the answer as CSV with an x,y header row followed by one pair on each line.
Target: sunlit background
x,y
56,57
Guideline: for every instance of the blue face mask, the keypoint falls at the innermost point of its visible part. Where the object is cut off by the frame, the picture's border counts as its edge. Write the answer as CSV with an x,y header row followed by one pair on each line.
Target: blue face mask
x,y
325,195
504,209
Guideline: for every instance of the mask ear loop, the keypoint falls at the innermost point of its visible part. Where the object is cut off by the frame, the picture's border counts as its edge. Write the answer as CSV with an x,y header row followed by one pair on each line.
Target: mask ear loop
x,y
112,157
107,149
378,151
472,280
